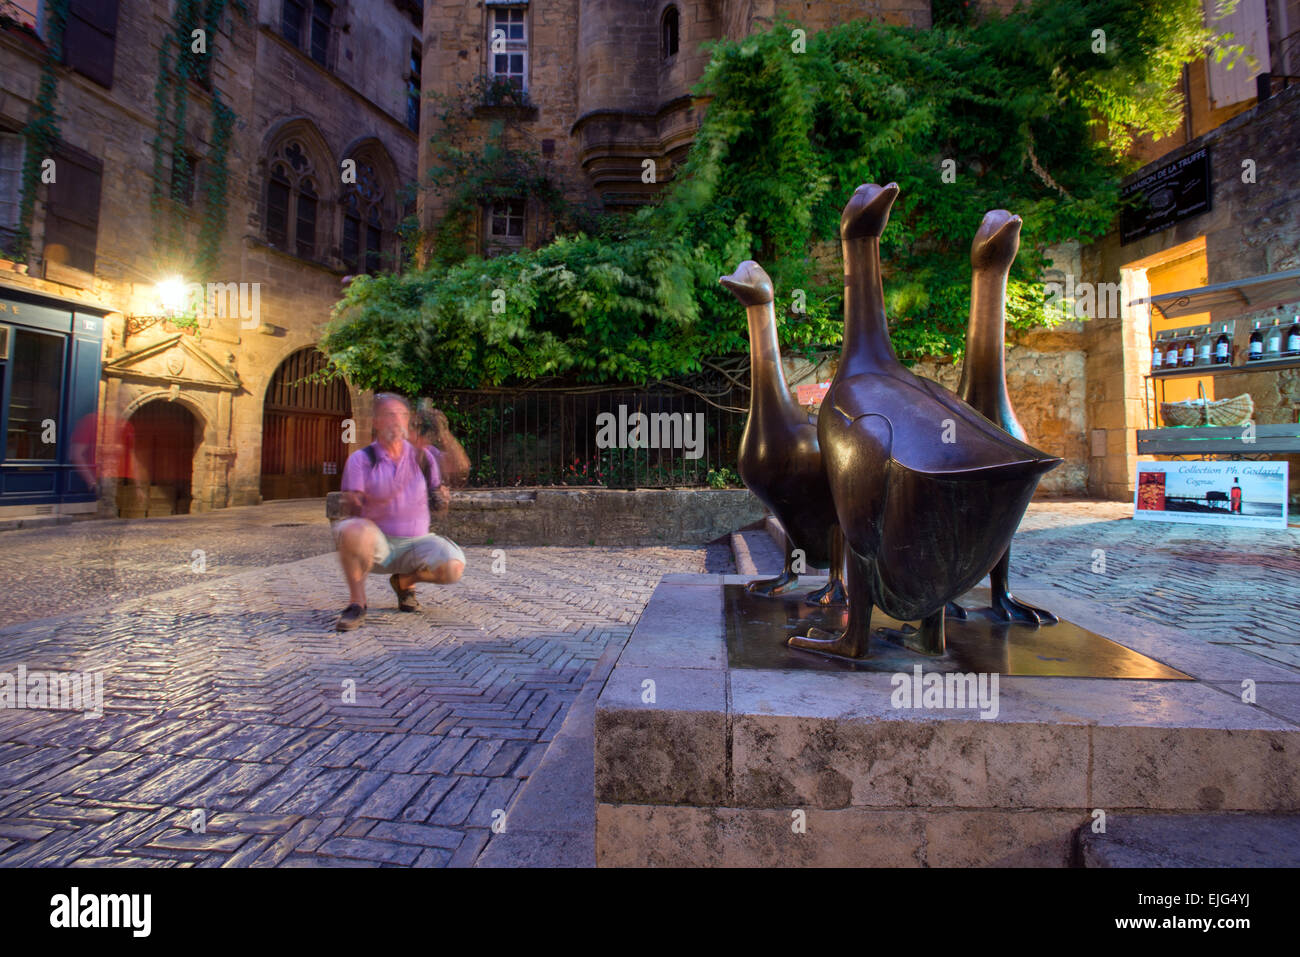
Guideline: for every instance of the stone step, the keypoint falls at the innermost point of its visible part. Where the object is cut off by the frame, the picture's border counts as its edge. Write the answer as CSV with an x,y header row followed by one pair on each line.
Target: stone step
x,y
1192,840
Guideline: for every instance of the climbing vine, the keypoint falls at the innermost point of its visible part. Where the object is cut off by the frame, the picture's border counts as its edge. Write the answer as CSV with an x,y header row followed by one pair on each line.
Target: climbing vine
x,y
42,130
179,63
1026,112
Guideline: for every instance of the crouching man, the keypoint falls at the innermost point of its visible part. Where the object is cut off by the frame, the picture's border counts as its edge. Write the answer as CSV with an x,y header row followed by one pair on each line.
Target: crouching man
x,y
387,487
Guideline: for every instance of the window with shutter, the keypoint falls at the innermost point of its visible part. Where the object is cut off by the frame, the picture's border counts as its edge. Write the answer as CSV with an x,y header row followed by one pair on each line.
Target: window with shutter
x,y
90,37
72,209
11,185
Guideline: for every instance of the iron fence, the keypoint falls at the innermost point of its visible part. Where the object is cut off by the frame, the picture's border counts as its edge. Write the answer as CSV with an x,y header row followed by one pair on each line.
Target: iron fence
x,y
615,439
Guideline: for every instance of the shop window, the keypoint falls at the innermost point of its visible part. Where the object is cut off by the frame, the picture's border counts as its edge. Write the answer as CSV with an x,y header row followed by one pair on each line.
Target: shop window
x,y
668,34
90,37
508,45
72,209
35,375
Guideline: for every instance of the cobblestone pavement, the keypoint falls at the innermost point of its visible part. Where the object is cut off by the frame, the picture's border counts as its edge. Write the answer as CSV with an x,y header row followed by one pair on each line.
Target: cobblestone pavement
x,y
227,698
60,568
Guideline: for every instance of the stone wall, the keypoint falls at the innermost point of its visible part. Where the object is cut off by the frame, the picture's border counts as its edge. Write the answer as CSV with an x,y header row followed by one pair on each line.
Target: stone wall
x,y
220,375
588,516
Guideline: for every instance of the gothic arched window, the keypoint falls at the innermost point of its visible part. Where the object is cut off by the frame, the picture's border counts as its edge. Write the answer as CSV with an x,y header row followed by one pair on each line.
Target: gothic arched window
x,y
365,225
668,44
291,200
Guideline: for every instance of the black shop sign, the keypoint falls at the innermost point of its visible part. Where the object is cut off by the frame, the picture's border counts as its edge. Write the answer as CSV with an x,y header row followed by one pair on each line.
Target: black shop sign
x,y
1168,195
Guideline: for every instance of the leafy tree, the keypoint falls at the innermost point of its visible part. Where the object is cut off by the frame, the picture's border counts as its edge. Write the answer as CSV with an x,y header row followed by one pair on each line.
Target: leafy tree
x,y
1032,112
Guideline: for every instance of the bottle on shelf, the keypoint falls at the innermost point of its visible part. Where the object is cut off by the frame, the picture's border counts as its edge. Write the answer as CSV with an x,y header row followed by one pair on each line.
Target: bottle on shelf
x,y
1273,342
1173,352
1256,344
1205,348
1292,345
1158,352
1189,350
1223,347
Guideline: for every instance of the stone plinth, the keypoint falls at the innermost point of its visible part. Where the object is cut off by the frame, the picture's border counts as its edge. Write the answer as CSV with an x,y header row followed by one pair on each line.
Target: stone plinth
x,y
701,762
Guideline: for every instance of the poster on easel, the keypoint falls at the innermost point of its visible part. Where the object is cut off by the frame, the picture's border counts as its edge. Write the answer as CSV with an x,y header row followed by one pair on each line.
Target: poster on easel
x,y
1251,494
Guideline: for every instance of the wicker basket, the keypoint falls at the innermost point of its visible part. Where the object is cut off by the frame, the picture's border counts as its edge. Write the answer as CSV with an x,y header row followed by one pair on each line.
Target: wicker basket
x,y
1235,411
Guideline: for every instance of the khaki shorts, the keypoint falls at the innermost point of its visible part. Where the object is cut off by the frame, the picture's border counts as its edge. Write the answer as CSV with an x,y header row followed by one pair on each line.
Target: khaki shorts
x,y
397,555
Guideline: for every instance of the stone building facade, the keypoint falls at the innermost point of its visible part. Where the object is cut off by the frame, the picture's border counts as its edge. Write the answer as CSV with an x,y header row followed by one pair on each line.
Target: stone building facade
x,y
323,145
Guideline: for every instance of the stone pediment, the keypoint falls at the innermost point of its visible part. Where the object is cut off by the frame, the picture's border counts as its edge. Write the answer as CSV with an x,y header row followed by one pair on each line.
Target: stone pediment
x,y
176,359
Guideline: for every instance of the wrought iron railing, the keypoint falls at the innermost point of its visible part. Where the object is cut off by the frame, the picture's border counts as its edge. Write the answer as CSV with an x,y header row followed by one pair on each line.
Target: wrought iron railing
x,y
597,438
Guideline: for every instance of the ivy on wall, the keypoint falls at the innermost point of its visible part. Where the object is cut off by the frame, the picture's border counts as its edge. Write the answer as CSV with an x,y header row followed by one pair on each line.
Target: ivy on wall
x,y
42,130
1032,112
179,64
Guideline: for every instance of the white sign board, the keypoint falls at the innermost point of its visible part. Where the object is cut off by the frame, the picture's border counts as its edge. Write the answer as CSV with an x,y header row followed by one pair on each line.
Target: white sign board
x,y
1212,493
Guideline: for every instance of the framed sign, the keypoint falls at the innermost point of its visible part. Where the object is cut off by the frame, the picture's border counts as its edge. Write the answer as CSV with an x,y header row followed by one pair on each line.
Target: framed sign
x,y
1212,493
811,393
1168,195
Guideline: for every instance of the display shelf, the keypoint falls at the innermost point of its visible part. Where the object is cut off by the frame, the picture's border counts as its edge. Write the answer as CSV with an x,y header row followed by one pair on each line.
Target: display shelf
x,y
1261,365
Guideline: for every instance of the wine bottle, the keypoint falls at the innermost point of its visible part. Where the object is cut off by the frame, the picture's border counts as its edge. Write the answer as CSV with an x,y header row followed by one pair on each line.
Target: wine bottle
x,y
1172,353
1222,347
1293,337
1158,352
1256,344
1273,342
1189,349
1205,349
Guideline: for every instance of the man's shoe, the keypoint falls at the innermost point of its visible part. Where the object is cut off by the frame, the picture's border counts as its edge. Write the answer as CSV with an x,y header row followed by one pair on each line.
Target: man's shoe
x,y
352,616
406,600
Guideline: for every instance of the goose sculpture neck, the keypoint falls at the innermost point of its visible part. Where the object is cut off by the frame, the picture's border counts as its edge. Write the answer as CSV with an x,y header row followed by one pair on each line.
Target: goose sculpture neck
x,y
769,390
866,331
983,372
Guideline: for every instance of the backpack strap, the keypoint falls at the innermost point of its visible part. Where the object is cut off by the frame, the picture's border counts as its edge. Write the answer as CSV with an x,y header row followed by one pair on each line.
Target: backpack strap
x,y
371,455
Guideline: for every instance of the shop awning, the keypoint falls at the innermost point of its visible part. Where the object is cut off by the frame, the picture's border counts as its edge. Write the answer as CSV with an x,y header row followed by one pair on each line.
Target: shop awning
x,y
1241,294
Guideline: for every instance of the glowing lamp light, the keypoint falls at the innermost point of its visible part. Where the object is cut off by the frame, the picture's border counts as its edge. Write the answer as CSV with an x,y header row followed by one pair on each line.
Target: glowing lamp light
x,y
171,295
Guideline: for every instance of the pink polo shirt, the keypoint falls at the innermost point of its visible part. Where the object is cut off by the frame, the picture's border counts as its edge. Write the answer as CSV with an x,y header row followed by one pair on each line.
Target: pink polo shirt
x,y
396,498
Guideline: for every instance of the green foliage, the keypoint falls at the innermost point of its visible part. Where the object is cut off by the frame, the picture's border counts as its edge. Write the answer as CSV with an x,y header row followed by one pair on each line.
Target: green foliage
x,y
1034,117
42,130
178,65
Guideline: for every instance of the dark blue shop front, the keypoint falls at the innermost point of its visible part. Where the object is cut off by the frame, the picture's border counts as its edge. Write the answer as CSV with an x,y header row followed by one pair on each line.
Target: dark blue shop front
x,y
49,385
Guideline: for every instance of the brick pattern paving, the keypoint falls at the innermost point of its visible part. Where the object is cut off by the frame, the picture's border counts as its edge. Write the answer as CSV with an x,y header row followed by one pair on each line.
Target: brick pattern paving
x,y
227,697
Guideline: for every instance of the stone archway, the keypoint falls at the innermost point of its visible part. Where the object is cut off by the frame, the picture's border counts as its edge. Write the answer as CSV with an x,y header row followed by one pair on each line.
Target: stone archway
x,y
160,479
302,429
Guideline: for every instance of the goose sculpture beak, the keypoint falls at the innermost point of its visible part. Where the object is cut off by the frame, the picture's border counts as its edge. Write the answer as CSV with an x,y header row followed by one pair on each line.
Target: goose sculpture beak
x,y
750,283
997,241
867,213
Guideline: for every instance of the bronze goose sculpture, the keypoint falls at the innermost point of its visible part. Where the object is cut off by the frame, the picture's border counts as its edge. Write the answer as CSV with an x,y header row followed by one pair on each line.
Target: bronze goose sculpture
x,y
983,374
928,492
780,460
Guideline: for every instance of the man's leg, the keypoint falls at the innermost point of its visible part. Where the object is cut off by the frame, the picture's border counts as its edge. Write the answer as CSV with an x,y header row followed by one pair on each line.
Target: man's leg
x,y
358,541
431,558
448,573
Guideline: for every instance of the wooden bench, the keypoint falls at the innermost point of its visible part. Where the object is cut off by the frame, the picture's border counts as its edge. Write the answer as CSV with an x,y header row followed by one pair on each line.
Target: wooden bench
x,y
1220,440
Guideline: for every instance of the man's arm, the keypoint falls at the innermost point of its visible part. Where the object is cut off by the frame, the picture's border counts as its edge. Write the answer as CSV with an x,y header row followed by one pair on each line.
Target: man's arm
x,y
452,462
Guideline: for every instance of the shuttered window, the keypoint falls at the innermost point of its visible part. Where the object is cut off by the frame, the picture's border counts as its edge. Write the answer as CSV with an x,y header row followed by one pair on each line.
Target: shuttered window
x,y
90,37
72,209
11,184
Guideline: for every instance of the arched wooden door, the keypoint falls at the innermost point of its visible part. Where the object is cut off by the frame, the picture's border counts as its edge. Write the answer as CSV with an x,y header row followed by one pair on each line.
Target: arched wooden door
x,y
159,480
302,430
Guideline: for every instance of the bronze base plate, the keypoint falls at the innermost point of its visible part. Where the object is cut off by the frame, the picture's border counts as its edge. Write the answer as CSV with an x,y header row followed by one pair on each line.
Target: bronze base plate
x,y
757,629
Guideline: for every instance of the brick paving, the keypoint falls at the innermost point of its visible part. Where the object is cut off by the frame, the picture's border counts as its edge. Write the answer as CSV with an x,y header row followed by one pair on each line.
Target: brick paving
x,y
226,697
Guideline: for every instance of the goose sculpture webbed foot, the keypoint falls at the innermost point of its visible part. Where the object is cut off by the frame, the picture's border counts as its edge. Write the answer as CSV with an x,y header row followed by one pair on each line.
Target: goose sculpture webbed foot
x,y
928,640
1006,607
769,587
832,593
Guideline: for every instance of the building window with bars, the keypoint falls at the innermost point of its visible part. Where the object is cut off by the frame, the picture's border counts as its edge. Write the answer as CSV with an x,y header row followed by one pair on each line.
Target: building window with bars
x,y
508,46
